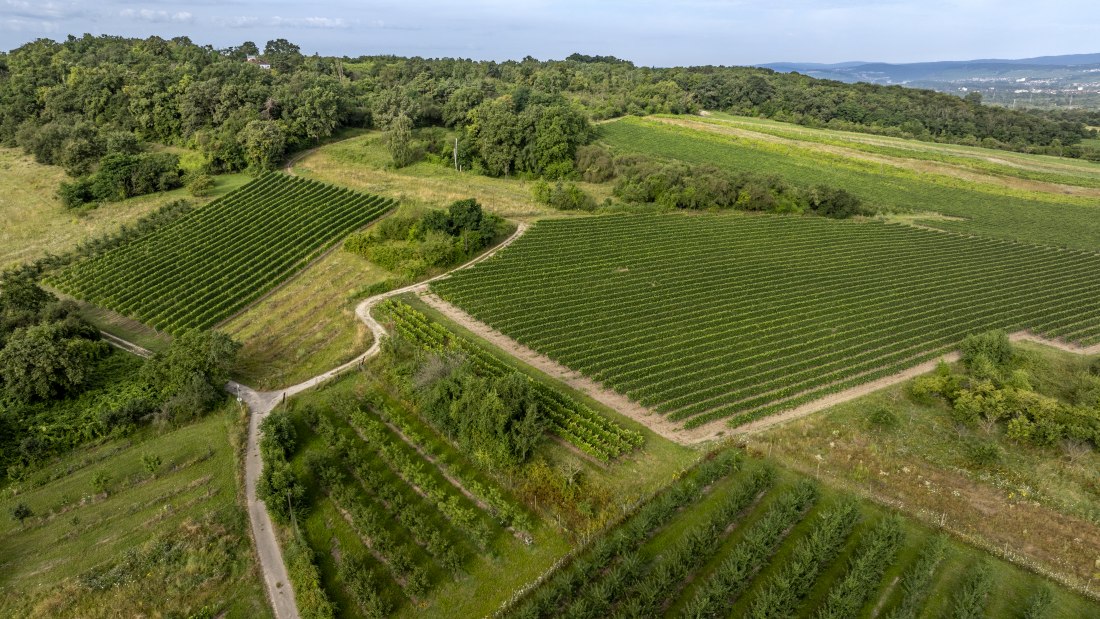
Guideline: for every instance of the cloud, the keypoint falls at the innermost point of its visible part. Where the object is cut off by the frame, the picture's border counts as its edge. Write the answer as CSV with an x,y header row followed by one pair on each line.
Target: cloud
x,y
157,16
276,21
18,24
16,10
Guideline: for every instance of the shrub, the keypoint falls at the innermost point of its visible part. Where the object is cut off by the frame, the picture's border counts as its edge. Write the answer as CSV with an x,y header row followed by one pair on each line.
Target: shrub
x,y
983,453
992,345
564,197
100,481
309,594
201,185
1020,428
21,512
882,418
595,164
77,193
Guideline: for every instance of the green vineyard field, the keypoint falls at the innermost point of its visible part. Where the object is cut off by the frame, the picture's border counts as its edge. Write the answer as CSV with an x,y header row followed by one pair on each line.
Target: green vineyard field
x,y
206,266
711,317
1049,219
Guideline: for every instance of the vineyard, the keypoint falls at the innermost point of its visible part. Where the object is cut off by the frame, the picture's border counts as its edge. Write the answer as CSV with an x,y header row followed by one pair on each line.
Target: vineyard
x,y
204,267
735,538
574,422
1028,216
705,318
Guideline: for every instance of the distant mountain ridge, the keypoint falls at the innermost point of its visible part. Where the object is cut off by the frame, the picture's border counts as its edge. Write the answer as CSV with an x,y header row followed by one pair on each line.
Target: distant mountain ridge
x,y
944,70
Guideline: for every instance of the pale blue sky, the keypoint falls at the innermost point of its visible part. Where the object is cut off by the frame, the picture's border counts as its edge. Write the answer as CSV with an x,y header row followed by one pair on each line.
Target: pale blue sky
x,y
651,33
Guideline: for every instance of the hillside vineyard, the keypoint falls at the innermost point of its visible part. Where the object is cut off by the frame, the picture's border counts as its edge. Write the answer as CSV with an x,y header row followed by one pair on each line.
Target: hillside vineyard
x,y
209,264
705,318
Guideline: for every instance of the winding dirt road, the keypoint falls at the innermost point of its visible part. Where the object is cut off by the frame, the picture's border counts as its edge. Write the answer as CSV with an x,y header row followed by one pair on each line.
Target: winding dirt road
x,y
261,403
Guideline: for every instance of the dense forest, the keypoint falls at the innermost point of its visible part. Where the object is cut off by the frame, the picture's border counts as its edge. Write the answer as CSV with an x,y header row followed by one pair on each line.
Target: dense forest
x,y
82,102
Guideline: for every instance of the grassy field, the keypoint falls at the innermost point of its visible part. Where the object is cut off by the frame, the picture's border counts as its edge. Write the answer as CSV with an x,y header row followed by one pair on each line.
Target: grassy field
x,y
982,208
362,163
987,165
35,223
168,542
306,327
1042,505
679,556
710,316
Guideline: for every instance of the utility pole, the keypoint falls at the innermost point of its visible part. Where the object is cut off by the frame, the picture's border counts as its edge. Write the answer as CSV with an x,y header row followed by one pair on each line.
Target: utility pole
x,y
456,154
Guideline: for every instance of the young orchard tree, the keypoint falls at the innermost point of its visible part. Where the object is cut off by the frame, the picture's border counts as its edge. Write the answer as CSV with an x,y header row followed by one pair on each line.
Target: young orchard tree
x,y
21,512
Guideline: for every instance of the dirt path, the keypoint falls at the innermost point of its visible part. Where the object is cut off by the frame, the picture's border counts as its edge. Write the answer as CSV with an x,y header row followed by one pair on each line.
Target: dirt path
x,y
261,403
916,165
867,388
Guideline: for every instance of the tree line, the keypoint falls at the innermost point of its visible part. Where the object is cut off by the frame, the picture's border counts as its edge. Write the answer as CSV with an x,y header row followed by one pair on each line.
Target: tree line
x,y
94,102
62,385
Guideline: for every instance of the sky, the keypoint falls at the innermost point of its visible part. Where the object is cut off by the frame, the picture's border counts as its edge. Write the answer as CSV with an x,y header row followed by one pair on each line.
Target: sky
x,y
668,33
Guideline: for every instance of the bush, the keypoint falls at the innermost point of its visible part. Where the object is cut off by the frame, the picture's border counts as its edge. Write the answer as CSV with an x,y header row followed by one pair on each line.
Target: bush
x,y
835,202
992,345
201,185
309,594
77,193
882,418
983,453
564,197
595,164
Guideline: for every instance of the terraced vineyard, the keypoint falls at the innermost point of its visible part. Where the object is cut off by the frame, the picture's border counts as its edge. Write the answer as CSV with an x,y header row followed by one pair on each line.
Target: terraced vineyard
x,y
205,266
705,317
734,538
574,422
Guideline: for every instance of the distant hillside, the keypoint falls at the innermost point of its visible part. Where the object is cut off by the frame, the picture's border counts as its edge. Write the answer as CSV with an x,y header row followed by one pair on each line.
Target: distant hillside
x,y
1071,80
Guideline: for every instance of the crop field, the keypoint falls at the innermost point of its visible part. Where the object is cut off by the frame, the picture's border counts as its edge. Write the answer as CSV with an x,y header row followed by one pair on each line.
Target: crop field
x,y
574,422
995,163
206,266
1038,502
988,210
36,224
399,518
739,317
735,538
130,527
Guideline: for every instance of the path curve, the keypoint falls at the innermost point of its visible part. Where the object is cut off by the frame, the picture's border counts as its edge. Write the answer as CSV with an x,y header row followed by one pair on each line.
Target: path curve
x,y
261,403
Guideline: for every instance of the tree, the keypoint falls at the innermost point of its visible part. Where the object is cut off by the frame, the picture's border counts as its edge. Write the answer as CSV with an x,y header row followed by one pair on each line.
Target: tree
x,y
21,512
45,361
264,143
207,355
20,294
282,55
399,141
